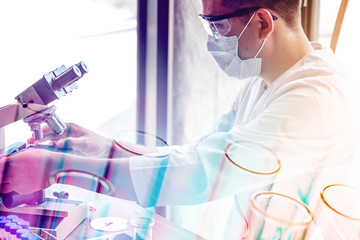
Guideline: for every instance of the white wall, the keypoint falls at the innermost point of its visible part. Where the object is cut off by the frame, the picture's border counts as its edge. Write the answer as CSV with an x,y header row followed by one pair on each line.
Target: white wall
x,y
38,36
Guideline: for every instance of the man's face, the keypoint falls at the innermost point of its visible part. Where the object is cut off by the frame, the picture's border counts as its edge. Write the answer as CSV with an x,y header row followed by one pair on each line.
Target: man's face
x,y
248,42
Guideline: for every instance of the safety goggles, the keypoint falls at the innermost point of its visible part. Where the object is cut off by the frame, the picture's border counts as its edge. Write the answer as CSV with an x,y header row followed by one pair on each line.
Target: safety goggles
x,y
219,25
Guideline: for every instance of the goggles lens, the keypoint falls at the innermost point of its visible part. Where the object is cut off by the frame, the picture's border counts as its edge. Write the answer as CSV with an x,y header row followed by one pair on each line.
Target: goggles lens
x,y
216,28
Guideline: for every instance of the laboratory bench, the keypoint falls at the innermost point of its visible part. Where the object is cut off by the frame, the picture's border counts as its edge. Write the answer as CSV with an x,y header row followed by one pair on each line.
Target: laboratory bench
x,y
76,215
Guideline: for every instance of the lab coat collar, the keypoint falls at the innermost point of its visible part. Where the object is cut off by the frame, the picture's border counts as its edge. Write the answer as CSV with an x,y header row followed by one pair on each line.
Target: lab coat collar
x,y
299,69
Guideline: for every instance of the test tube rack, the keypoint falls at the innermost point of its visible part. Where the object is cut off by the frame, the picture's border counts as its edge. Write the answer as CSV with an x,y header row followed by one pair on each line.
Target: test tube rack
x,y
54,219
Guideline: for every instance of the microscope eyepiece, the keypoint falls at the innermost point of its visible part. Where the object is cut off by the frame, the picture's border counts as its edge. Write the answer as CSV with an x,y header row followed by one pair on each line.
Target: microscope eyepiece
x,y
83,68
53,85
71,75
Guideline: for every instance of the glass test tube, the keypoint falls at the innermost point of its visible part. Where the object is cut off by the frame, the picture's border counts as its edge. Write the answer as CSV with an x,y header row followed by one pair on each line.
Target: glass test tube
x,y
13,230
34,237
8,226
24,224
12,218
255,170
18,220
27,236
277,216
339,212
142,228
2,227
24,227
21,231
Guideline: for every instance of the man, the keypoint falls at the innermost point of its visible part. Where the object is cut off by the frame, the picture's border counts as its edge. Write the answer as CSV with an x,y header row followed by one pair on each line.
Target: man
x,y
296,109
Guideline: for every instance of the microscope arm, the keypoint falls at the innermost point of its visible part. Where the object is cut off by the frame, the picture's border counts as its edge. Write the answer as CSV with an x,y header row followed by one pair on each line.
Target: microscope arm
x,y
17,111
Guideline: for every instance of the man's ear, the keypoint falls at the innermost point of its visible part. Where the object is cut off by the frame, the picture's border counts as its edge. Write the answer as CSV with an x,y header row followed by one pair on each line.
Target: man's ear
x,y
267,23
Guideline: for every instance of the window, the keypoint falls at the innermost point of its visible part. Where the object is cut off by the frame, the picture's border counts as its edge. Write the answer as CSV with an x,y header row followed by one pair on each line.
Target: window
x,y
347,47
328,13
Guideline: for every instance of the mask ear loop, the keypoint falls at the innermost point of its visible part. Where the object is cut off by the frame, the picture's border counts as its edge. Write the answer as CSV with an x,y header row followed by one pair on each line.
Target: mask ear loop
x,y
262,45
246,25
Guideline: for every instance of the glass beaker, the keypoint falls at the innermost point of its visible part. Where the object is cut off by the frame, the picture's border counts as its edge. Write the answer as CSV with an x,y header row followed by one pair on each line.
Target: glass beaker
x,y
142,228
83,179
244,166
138,142
339,214
277,216
256,168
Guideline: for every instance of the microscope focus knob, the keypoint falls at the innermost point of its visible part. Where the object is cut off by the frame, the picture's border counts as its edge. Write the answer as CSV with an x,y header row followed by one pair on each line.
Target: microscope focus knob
x,y
14,199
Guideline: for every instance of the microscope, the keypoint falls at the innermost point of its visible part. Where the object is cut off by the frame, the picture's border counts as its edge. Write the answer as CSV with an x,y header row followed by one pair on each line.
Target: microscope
x,y
32,107
49,218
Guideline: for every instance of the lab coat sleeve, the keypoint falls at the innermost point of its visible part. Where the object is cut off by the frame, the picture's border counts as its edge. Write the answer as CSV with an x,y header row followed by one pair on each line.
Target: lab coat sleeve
x,y
223,124
301,129
148,171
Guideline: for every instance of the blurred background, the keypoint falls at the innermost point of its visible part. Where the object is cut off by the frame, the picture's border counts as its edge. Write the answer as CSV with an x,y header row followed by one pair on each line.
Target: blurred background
x,y
41,35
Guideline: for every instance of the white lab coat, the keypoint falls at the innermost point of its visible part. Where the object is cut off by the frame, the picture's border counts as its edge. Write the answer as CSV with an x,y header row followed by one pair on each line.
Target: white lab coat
x,y
306,118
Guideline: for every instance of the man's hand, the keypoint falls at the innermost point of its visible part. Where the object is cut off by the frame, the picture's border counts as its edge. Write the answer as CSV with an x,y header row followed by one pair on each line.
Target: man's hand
x,y
82,141
27,171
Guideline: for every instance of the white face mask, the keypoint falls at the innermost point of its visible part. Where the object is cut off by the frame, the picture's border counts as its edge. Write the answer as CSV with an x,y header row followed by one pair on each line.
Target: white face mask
x,y
225,52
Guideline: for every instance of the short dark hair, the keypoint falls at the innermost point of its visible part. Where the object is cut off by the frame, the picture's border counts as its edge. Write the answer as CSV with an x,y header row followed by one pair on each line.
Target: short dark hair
x,y
289,10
